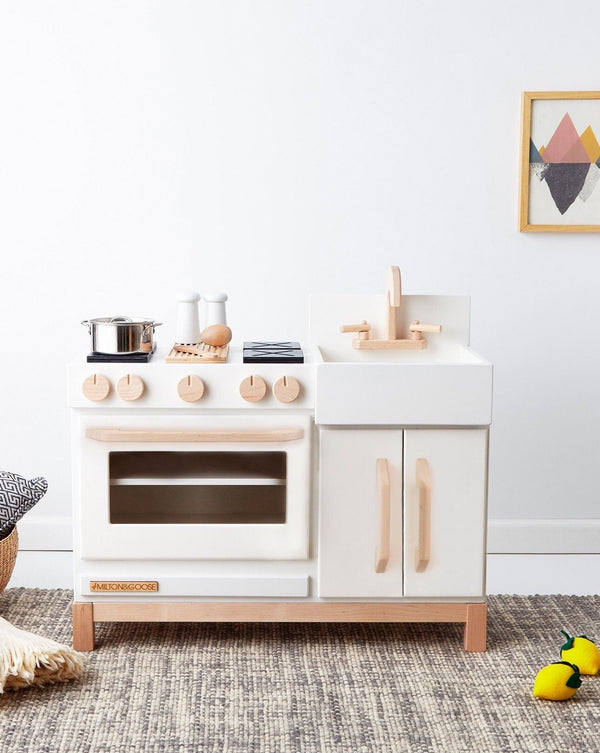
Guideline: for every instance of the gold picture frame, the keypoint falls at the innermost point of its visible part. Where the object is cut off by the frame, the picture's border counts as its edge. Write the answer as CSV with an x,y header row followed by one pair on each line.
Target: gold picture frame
x,y
560,162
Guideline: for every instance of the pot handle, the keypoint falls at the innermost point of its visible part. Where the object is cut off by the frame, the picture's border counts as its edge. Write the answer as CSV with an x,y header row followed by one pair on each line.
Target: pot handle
x,y
86,323
151,326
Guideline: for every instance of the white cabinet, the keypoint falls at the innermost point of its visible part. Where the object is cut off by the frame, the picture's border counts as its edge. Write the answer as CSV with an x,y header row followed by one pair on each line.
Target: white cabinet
x,y
457,460
421,536
350,500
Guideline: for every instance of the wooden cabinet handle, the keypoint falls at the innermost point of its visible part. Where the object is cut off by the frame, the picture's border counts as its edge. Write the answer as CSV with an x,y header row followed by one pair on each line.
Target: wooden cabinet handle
x,y
423,550
382,552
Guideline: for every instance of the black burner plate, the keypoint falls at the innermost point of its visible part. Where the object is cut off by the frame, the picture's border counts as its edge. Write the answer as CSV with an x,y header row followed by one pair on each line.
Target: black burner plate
x,y
273,352
124,358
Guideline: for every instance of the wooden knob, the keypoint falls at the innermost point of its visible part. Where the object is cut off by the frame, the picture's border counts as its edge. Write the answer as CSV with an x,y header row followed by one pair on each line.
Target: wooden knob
x,y
253,389
190,388
286,389
130,387
96,387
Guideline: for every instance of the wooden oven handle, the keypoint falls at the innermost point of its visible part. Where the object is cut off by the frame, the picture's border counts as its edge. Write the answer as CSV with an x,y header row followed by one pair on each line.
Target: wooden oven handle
x,y
160,435
423,550
382,552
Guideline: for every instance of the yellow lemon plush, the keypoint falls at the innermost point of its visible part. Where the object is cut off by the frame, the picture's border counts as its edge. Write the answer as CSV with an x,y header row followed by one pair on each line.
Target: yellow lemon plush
x,y
581,651
557,681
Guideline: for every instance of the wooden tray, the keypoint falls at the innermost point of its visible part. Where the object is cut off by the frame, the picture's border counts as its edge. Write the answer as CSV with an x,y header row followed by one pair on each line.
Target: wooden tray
x,y
206,354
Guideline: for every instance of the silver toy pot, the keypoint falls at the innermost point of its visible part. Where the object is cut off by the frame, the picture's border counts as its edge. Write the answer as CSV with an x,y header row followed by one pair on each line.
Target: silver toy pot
x,y
118,335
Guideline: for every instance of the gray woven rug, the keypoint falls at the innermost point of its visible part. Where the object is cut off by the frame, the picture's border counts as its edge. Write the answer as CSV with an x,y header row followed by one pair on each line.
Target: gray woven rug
x,y
310,688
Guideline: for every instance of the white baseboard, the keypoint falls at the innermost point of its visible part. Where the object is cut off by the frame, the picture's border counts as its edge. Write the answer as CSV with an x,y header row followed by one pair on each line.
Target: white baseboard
x,y
530,574
43,570
45,533
544,536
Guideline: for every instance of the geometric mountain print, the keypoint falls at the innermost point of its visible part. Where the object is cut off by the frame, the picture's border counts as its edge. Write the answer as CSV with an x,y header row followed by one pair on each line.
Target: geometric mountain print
x,y
569,164
17,496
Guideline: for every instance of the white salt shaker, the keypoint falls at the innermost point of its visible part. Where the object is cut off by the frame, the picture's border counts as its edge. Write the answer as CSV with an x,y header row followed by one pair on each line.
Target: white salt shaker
x,y
215,308
188,324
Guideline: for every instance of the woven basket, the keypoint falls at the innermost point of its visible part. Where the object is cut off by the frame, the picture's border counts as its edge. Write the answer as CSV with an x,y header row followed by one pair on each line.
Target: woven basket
x,y
8,556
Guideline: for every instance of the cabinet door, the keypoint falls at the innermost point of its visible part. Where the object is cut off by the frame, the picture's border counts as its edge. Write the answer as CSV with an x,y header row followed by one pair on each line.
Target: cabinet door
x,y
360,535
445,482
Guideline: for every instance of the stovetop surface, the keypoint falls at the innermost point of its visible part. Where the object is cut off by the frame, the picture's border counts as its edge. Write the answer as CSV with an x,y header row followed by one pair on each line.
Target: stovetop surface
x,y
160,382
285,351
122,358
254,351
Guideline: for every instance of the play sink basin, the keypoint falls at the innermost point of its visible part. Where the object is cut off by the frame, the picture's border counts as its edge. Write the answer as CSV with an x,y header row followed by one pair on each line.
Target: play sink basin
x,y
445,385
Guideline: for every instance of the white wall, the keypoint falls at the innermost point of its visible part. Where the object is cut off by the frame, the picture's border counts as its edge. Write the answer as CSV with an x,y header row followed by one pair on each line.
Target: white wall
x,y
277,148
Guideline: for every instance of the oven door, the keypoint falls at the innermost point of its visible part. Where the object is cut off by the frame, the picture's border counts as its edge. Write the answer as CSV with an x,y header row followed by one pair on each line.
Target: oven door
x,y
190,487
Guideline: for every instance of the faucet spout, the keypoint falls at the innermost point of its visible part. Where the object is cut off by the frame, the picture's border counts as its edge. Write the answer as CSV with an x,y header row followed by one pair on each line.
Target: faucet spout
x,y
393,300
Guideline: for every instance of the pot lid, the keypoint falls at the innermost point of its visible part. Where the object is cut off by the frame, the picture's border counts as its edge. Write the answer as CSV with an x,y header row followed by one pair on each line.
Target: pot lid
x,y
124,320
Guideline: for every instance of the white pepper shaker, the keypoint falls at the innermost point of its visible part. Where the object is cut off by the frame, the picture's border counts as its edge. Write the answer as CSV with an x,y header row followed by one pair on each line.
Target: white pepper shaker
x,y
215,308
188,323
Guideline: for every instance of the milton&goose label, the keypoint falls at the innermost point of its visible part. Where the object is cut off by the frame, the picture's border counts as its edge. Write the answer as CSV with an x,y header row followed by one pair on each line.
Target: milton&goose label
x,y
124,586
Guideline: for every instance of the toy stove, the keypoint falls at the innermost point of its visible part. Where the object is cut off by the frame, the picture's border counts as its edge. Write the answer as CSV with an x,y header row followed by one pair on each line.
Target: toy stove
x,y
178,467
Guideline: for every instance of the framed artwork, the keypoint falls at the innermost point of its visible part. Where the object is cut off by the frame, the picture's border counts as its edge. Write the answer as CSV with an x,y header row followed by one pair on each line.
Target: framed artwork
x,y
560,162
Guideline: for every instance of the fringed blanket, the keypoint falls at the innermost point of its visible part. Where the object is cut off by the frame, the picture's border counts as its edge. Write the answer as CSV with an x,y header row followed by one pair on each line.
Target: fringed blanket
x,y
29,659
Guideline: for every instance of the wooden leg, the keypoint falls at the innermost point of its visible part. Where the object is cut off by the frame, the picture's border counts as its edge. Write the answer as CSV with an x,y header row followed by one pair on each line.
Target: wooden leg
x,y
83,626
476,627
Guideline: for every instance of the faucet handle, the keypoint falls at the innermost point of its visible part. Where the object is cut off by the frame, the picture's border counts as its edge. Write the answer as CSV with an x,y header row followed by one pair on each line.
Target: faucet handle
x,y
363,329
417,328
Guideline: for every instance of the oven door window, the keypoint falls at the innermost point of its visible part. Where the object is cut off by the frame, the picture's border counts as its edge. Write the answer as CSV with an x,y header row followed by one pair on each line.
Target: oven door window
x,y
221,488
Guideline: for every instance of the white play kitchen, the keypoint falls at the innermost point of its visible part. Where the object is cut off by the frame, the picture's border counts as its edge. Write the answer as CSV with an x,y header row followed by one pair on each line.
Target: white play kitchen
x,y
342,480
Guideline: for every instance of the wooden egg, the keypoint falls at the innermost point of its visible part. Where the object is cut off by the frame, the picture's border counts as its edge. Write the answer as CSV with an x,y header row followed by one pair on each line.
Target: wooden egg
x,y
217,335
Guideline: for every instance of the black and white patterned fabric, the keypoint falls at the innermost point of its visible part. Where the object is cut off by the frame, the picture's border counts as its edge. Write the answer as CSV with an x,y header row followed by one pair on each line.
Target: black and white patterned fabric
x,y
17,496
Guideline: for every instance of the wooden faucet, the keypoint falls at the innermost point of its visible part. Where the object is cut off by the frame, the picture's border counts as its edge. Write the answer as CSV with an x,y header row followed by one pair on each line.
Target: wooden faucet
x,y
393,299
